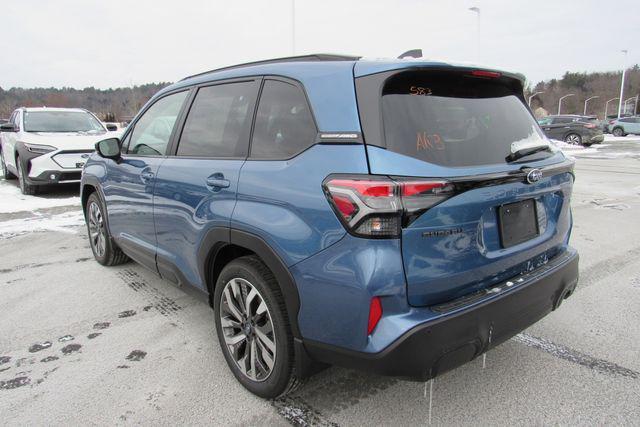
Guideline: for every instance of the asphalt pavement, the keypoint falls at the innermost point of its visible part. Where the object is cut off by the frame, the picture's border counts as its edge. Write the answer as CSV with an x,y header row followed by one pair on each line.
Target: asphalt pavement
x,y
86,344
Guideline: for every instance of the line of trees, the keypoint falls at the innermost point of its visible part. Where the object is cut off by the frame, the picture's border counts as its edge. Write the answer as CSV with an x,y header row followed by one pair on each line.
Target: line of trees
x,y
119,104
605,85
122,104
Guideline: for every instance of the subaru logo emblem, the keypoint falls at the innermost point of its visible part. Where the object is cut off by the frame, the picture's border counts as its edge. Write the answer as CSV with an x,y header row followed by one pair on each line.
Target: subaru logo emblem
x,y
85,156
534,175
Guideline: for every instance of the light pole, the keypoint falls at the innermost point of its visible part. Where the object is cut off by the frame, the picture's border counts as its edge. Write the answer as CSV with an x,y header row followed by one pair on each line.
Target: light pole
x,y
606,107
625,103
476,10
560,101
293,27
624,69
531,97
584,113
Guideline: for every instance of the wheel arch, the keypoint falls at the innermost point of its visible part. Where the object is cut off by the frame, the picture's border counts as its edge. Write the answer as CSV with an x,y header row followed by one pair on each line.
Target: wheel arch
x,y
222,245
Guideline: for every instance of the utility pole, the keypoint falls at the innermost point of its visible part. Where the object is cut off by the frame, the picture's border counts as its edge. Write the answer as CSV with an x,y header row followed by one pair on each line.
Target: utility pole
x,y
531,97
584,113
624,69
560,101
476,10
293,27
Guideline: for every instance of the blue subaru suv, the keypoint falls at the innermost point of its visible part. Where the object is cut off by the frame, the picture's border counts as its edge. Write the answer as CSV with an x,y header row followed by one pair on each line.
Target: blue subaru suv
x,y
401,217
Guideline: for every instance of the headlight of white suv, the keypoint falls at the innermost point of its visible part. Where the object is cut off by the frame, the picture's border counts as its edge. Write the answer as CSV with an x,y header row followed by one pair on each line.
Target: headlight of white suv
x,y
39,148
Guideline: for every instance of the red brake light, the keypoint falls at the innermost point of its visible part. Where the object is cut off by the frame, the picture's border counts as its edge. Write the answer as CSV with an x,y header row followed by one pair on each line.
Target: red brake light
x,y
367,187
590,125
344,205
484,73
375,314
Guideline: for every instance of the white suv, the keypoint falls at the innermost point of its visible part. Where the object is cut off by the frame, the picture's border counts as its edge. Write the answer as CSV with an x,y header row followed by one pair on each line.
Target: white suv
x,y
44,146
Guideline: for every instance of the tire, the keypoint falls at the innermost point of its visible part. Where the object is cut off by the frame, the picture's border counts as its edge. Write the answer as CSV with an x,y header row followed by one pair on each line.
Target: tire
x,y
573,138
26,188
104,249
618,132
246,337
4,172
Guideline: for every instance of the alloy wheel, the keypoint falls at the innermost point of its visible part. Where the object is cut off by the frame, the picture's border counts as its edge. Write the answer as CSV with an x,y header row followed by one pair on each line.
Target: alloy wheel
x,y
573,139
248,329
97,235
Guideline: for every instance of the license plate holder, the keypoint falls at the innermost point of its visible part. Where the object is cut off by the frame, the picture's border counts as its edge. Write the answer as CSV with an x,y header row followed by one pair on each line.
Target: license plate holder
x,y
518,222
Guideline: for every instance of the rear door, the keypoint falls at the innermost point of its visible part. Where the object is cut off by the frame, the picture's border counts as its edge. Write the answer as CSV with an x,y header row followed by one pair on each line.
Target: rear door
x,y
559,127
464,127
196,186
128,184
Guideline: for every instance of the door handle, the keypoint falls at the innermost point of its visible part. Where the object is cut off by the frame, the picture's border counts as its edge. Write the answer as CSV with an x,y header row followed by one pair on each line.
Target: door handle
x,y
217,181
146,175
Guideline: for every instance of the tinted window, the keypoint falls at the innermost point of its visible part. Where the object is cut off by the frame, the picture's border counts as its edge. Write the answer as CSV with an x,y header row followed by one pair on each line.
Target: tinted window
x,y
456,119
560,120
627,120
152,131
219,121
284,125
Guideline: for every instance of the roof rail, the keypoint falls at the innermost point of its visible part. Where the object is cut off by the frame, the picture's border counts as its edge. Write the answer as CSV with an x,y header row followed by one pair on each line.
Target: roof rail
x,y
312,57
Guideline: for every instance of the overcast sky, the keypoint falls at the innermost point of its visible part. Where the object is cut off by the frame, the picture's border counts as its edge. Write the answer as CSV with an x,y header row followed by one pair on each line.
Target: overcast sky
x,y
112,43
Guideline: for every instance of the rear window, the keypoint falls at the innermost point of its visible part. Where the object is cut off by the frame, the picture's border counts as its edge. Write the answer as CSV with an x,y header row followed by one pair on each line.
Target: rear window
x,y
456,119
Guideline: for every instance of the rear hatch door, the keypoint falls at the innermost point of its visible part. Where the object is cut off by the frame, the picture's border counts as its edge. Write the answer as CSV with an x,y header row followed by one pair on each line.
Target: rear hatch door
x,y
509,212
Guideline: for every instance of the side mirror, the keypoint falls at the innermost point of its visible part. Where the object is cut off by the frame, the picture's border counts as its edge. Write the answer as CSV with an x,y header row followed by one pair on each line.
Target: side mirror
x,y
7,127
109,148
111,127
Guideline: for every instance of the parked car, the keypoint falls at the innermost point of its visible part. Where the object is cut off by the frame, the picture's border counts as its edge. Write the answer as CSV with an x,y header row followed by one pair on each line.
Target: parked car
x,y
572,129
606,123
625,126
272,191
43,146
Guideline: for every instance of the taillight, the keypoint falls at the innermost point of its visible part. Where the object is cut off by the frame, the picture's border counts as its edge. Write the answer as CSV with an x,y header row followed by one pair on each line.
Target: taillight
x,y
590,125
378,206
611,122
375,314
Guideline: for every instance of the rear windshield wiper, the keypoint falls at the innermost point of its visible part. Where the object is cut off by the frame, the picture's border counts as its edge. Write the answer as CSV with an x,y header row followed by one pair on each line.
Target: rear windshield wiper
x,y
526,152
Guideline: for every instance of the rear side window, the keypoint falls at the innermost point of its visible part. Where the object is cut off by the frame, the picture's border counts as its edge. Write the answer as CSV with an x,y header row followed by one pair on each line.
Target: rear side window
x,y
455,118
284,125
153,130
219,121
562,120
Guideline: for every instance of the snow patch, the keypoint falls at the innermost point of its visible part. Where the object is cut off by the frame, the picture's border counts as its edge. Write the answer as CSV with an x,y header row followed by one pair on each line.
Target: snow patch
x,y
12,200
67,222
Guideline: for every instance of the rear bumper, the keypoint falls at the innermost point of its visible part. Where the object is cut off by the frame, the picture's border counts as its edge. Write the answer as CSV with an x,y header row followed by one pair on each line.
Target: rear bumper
x,y
596,139
467,330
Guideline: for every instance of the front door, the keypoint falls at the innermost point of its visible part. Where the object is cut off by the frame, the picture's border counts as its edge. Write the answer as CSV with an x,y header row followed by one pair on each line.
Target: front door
x,y
128,186
196,187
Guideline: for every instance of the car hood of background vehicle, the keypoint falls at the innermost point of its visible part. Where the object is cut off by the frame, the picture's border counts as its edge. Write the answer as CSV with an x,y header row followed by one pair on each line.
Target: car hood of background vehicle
x,y
68,140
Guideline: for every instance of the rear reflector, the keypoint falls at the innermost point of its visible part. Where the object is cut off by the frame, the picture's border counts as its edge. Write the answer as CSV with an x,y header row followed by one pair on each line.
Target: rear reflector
x,y
375,314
